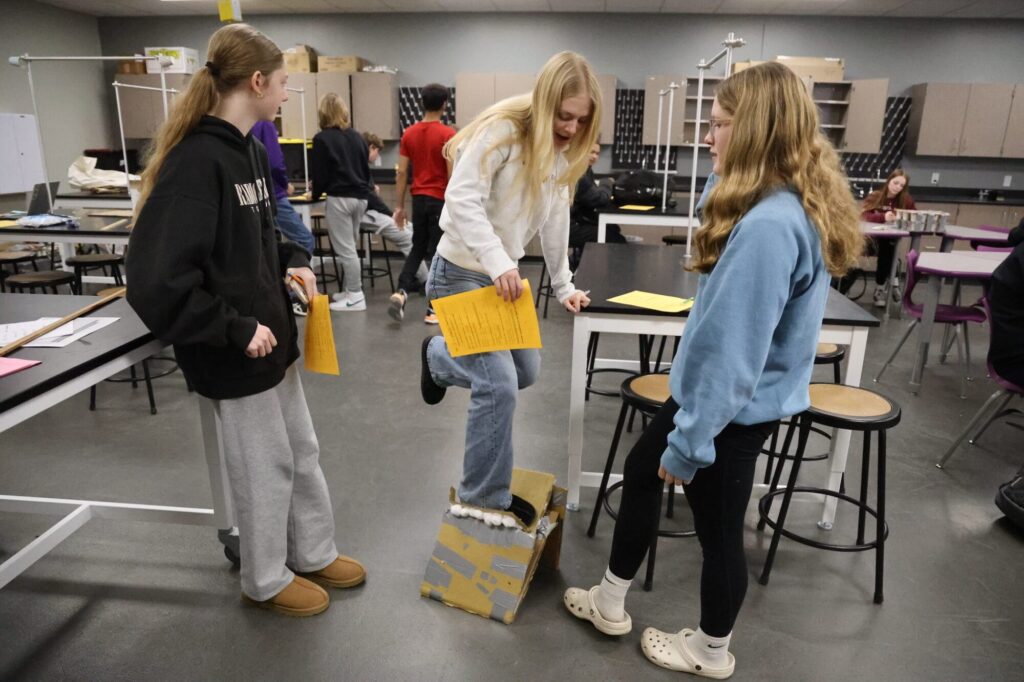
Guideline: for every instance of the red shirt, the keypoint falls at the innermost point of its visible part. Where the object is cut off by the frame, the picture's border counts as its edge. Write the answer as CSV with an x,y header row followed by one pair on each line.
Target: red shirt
x,y
421,144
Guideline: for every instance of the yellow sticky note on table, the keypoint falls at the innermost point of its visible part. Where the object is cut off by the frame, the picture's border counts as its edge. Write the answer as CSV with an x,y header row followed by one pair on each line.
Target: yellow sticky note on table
x,y
320,353
635,207
8,223
660,302
479,321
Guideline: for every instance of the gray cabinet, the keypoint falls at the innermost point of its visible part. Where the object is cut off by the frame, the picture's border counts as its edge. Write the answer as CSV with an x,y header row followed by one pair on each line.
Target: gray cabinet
x,y
291,111
609,84
1013,139
865,116
474,92
976,215
375,104
142,111
937,113
988,110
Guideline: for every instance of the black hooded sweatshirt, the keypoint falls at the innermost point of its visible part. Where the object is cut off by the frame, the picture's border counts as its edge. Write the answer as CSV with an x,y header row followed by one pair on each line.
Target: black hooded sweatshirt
x,y
206,263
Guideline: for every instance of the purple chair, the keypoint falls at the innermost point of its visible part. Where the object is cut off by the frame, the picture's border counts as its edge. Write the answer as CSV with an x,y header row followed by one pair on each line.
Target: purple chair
x,y
994,408
955,315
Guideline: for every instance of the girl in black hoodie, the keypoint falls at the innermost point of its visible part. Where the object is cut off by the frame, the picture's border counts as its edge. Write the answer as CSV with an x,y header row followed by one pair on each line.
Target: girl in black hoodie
x,y
206,273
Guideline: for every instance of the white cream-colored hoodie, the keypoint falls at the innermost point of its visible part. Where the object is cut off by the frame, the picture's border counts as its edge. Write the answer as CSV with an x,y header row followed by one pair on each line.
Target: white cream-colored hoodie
x,y
485,220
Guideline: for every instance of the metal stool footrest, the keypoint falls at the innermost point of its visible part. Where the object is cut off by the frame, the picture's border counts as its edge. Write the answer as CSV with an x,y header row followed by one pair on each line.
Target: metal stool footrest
x,y
765,502
661,533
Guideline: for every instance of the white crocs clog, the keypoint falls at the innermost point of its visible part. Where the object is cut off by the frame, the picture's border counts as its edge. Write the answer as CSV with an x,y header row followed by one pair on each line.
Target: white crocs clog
x,y
669,650
580,603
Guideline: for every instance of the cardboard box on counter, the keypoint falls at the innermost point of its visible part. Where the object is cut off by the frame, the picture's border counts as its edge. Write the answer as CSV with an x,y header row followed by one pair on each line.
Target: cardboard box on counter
x,y
300,59
819,68
345,64
183,59
487,570
740,66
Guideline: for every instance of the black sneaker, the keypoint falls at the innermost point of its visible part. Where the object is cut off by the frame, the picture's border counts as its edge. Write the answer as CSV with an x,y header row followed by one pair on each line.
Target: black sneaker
x,y
523,510
432,393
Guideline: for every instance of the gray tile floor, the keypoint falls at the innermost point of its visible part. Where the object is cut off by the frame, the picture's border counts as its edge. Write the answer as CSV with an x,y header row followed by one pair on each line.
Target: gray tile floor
x,y
139,601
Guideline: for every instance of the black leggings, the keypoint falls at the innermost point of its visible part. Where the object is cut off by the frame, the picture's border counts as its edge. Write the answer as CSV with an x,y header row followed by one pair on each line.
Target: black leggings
x,y
718,497
886,250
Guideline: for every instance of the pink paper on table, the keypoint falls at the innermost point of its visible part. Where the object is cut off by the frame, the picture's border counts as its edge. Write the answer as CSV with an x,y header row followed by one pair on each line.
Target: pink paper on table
x,y
12,365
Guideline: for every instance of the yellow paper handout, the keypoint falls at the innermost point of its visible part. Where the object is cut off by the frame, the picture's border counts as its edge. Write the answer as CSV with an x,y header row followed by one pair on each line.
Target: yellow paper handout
x,y
320,353
659,302
479,321
635,207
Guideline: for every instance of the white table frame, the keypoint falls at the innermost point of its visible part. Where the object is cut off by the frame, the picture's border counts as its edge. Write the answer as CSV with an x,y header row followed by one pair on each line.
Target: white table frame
x,y
76,513
65,244
584,324
652,219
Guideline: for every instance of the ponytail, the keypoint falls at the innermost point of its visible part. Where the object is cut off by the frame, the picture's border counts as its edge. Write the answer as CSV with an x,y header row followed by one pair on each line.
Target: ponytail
x,y
235,52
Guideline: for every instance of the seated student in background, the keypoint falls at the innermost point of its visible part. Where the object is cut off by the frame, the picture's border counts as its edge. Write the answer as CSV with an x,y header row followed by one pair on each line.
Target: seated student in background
x,y
880,207
379,214
288,220
339,165
591,197
777,220
1006,301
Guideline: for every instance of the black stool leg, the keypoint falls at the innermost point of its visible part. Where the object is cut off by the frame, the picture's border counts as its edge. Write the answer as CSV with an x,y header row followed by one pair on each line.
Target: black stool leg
x,y
777,476
387,264
149,386
92,398
652,551
771,454
880,521
805,429
135,383
835,373
670,511
865,472
607,470
661,352
591,356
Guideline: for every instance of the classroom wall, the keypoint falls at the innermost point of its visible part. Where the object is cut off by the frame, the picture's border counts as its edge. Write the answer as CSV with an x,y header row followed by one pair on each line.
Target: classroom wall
x,y
73,97
434,47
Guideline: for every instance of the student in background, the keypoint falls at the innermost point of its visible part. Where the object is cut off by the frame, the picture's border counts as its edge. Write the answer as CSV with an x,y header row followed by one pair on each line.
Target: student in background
x,y
777,222
207,274
340,168
288,220
591,197
880,207
378,213
514,168
421,145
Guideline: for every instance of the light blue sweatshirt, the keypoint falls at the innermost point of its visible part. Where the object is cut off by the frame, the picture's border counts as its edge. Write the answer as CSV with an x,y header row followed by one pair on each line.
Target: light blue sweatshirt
x,y
748,349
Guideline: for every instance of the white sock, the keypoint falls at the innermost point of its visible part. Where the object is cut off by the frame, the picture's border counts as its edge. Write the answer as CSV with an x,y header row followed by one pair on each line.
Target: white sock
x,y
610,599
710,651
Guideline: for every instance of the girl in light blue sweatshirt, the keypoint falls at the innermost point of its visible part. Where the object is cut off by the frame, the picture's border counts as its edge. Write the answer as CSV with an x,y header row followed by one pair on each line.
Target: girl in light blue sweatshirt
x,y
777,219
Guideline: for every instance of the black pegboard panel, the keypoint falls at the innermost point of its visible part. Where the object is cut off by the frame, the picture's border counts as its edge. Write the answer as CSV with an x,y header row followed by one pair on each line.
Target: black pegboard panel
x,y
893,143
410,108
627,149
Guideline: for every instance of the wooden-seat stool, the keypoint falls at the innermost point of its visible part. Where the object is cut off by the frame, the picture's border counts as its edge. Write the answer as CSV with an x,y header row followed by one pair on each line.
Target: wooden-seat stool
x,y
89,261
369,270
320,235
30,281
14,258
840,407
646,393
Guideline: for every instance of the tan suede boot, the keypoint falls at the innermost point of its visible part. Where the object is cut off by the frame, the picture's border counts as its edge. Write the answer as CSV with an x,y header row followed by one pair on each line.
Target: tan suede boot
x,y
342,572
300,598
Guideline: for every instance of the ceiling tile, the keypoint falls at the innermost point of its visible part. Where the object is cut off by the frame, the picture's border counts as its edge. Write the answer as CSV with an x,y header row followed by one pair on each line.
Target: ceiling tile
x,y
990,9
466,5
747,6
522,5
633,6
577,5
413,5
868,8
928,8
691,6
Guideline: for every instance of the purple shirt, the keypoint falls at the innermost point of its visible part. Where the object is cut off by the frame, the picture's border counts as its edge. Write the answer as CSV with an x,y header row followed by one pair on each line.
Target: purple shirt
x,y
265,132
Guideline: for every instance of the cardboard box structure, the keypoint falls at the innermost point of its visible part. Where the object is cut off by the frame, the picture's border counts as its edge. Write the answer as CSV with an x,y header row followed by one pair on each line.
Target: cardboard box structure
x,y
487,570
346,64
300,59
821,69
740,66
183,59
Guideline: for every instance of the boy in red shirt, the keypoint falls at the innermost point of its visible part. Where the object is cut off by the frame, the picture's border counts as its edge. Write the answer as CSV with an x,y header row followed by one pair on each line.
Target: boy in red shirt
x,y
422,144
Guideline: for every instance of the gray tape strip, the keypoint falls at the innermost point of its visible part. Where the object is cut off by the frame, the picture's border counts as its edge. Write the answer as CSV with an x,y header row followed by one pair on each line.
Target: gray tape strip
x,y
559,498
505,600
500,564
436,575
482,588
498,613
457,563
500,537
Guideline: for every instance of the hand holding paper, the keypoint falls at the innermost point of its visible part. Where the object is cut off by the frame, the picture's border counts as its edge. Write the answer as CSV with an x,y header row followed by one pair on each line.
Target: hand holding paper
x,y
479,321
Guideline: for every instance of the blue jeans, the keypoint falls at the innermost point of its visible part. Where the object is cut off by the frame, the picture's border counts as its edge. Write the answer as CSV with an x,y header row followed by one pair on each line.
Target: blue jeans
x,y
493,380
291,226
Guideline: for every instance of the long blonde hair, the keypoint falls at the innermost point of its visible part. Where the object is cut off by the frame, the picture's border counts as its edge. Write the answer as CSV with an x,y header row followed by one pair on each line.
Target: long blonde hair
x,y
333,112
532,116
235,53
774,143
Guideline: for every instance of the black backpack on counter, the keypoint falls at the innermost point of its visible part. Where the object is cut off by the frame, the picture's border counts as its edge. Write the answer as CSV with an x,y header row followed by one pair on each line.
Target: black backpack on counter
x,y
640,187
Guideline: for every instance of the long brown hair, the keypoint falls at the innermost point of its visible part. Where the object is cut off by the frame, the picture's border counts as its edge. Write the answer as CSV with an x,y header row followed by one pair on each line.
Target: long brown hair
x,y
234,54
880,197
565,75
775,142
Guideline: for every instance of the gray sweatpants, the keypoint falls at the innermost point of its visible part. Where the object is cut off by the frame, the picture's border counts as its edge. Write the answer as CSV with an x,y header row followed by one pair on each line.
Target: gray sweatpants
x,y
385,226
285,519
344,214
